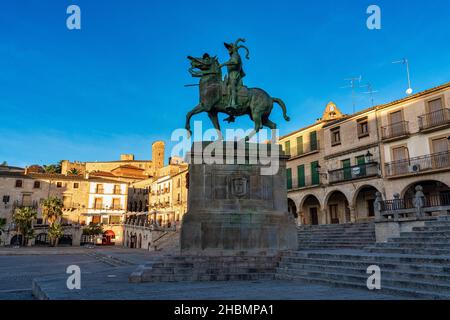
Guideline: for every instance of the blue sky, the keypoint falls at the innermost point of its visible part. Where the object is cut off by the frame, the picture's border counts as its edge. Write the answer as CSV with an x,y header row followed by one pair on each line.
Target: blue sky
x,y
112,86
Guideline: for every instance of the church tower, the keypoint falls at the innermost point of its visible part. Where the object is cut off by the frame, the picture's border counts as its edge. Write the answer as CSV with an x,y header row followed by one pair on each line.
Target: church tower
x,y
158,154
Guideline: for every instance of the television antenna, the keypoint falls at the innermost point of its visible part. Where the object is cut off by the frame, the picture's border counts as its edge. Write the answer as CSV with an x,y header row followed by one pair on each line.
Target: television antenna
x,y
405,62
353,86
370,91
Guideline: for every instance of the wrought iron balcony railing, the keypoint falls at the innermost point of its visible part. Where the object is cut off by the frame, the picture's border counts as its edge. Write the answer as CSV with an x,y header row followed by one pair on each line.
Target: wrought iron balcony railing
x,y
22,204
353,173
434,119
395,130
431,201
416,165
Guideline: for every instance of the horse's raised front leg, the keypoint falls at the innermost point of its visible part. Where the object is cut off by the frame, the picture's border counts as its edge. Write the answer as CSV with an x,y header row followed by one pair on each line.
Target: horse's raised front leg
x,y
215,121
196,110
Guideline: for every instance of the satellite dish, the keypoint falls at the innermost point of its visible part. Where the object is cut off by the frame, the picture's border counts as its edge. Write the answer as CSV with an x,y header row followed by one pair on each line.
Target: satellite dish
x,y
409,91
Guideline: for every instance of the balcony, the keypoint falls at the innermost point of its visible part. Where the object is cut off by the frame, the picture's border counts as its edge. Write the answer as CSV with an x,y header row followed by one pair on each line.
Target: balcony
x,y
417,165
23,204
353,173
434,120
394,131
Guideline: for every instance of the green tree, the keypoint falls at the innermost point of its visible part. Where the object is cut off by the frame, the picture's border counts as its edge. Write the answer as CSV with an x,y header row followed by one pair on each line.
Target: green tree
x,y
53,168
4,163
93,230
52,209
54,233
23,217
2,228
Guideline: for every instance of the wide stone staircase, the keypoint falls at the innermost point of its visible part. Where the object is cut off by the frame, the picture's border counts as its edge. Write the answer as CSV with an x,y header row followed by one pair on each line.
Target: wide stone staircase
x,y
416,265
207,268
334,236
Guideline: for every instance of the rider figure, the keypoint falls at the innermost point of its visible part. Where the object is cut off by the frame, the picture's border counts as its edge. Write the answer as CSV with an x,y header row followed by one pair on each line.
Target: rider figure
x,y
235,73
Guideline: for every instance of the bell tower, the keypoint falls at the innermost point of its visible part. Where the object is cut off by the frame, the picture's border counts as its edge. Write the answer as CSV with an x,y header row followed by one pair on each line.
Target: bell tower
x,y
158,154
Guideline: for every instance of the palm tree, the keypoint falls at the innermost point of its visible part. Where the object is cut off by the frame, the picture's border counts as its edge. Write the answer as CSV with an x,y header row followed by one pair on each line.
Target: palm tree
x,y
23,217
54,233
53,168
73,171
52,209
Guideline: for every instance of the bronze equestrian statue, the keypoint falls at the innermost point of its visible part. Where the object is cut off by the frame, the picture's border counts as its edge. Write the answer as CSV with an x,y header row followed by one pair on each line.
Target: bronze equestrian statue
x,y
230,96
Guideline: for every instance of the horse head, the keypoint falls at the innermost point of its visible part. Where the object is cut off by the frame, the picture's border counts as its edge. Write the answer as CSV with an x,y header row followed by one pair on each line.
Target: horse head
x,y
207,64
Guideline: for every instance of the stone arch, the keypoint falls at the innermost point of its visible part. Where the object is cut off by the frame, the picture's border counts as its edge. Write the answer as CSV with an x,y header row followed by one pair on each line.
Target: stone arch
x,y
42,239
363,202
336,205
430,186
310,208
292,208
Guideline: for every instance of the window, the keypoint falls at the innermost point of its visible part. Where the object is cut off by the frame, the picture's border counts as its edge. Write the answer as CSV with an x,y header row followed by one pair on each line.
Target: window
x,y
98,203
5,199
19,183
335,136
67,202
313,140
179,197
114,219
26,200
435,105
347,170
37,185
96,219
361,162
59,184
287,147
301,175
315,177
116,204
363,128
117,189
289,178
179,183
76,185
99,188
299,146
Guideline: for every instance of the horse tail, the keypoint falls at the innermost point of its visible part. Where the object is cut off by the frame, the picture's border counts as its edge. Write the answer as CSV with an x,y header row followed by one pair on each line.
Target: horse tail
x,y
283,107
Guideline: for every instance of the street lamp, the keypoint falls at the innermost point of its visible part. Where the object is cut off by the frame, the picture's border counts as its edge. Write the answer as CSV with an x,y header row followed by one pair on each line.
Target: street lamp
x,y
369,156
318,169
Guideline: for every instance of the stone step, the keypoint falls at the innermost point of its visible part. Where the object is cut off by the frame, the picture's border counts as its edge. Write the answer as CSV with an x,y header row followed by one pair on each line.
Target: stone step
x,y
394,265
424,251
336,239
212,271
385,280
431,277
329,231
207,277
424,234
415,244
386,289
374,256
432,229
416,239
330,246
328,235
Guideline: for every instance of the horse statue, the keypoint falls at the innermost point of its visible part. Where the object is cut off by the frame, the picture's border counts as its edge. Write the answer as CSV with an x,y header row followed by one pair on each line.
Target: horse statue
x,y
214,98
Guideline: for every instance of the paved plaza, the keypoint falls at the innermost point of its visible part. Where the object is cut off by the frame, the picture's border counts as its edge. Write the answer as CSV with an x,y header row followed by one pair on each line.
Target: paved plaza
x,y
105,274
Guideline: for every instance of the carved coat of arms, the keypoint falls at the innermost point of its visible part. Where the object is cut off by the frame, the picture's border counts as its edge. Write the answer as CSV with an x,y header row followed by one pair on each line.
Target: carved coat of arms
x,y
238,185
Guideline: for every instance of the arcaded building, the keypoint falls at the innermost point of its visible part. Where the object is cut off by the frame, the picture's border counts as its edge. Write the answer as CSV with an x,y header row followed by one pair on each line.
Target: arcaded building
x,y
339,163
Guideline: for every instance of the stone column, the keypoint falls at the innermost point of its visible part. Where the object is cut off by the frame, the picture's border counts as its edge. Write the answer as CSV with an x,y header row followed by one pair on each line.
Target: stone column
x,y
324,219
352,214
